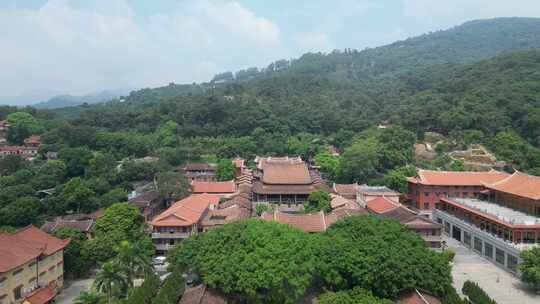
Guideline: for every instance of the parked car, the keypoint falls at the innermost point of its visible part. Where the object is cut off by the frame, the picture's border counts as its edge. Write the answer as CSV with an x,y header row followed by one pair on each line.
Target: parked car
x,y
159,260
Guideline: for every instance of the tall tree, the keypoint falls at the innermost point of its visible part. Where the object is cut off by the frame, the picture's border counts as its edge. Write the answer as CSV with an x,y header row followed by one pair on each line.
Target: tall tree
x,y
226,170
359,161
530,268
110,279
133,259
318,201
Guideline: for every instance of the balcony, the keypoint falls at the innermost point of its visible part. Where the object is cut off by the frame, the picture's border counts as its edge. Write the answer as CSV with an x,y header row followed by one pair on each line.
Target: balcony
x,y
164,246
168,235
485,235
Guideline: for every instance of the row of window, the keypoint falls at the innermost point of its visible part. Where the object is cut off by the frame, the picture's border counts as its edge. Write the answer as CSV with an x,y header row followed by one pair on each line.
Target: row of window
x,y
18,291
486,249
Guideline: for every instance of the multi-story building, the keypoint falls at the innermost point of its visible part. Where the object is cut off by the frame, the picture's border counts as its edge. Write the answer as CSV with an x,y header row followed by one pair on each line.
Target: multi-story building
x,y
426,189
428,230
149,203
500,223
364,193
285,180
31,266
23,151
33,141
181,220
518,191
224,189
200,172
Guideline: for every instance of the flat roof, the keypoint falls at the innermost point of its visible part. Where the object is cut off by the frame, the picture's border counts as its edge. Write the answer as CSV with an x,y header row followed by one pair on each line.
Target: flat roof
x,y
504,214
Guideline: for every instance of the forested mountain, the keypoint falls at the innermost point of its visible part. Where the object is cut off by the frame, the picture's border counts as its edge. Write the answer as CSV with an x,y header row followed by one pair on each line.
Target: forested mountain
x,y
466,43
446,81
62,101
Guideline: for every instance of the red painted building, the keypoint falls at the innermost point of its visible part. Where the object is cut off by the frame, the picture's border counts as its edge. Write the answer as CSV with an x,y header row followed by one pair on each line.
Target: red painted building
x,y
518,191
427,188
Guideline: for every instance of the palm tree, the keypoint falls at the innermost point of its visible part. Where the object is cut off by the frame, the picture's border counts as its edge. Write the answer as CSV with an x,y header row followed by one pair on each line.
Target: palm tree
x,y
89,298
109,278
133,260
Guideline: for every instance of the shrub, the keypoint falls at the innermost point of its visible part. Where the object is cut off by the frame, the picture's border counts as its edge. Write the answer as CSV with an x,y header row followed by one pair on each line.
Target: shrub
x,y
144,293
449,254
476,294
172,289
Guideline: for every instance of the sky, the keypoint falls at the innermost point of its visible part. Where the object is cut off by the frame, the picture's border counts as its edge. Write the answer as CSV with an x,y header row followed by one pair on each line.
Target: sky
x,y
83,46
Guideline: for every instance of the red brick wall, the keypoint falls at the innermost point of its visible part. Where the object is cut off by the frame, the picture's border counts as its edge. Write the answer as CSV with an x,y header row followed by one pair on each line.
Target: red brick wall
x,y
417,193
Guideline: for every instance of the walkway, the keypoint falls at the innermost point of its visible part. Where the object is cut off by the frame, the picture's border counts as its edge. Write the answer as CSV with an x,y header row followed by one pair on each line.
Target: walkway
x,y
499,284
69,294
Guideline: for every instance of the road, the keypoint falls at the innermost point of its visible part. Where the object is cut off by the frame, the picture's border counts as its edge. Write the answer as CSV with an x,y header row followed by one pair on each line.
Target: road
x,y
499,284
69,294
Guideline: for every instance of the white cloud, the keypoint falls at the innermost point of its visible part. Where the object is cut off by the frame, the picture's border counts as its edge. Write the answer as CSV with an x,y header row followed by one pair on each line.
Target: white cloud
x,y
78,50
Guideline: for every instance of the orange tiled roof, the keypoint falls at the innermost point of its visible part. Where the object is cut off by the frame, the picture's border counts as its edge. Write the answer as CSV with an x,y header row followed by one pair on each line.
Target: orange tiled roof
x,y
339,201
450,178
214,187
381,204
224,216
284,170
33,139
26,244
201,295
338,214
415,296
519,184
346,188
186,212
41,296
314,222
238,162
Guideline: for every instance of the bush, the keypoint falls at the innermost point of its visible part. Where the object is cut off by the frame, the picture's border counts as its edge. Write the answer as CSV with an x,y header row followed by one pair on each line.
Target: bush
x,y
476,294
144,293
172,289
449,254
353,296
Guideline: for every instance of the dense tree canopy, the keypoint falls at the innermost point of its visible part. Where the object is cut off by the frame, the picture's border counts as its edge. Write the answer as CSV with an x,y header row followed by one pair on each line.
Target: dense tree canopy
x,y
379,255
530,268
226,170
256,261
251,261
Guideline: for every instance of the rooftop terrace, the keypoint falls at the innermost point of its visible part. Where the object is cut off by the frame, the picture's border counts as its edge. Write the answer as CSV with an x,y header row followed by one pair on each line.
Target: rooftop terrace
x,y
504,214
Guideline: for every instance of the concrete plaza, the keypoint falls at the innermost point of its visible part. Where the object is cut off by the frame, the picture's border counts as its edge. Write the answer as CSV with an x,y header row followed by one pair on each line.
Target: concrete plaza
x,y
501,285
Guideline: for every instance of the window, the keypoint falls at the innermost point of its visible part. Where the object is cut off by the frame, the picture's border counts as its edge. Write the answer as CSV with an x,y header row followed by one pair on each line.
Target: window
x,y
488,251
426,194
17,292
31,265
478,244
32,282
426,206
512,262
17,274
447,227
52,269
42,274
465,194
499,256
467,238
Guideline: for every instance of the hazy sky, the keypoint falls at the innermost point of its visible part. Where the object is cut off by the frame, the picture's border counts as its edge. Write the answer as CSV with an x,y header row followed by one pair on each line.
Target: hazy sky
x,y
80,46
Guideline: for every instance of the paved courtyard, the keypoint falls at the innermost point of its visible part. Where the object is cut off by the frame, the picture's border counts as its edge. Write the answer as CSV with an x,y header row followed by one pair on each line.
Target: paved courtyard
x,y
69,294
498,283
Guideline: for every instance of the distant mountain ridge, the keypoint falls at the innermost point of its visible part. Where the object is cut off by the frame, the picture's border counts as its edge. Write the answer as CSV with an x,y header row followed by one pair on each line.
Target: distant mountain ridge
x,y
469,42
63,101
